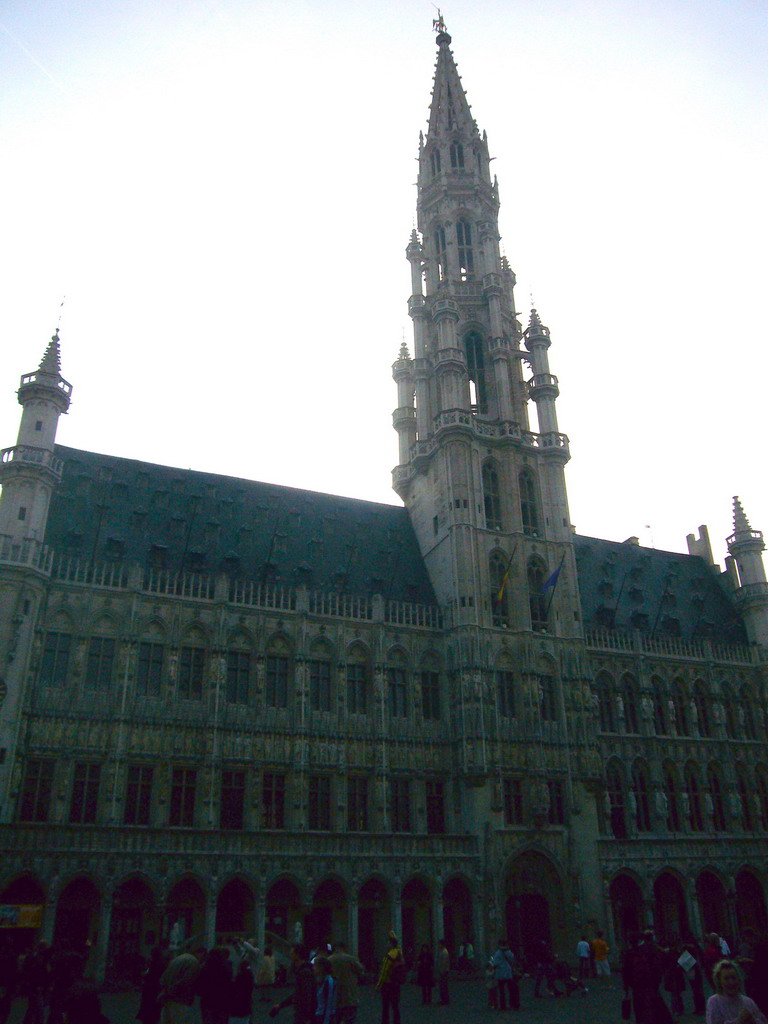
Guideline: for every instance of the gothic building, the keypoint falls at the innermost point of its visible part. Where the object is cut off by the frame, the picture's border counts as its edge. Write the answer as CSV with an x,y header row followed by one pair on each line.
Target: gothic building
x,y
232,707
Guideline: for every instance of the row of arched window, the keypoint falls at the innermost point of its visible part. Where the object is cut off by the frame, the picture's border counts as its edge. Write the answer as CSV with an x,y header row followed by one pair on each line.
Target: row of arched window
x,y
464,249
686,800
539,597
495,512
458,159
678,709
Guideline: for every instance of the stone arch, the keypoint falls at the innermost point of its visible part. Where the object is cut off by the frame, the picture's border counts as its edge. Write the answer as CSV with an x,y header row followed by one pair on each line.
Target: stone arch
x,y
416,906
670,911
458,923
626,898
374,919
326,920
750,901
710,892
235,909
155,629
77,914
134,928
196,633
534,903
284,910
185,909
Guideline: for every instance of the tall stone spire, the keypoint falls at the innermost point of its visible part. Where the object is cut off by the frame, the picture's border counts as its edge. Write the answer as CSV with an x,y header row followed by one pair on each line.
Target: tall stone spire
x,y
745,550
449,111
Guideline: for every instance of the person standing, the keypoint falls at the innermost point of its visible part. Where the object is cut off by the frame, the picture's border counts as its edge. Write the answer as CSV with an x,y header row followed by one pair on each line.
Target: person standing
x,y
149,1007
443,970
644,967
178,987
346,971
265,974
728,1005
213,986
325,1000
303,997
601,950
241,994
503,961
391,979
425,973
582,952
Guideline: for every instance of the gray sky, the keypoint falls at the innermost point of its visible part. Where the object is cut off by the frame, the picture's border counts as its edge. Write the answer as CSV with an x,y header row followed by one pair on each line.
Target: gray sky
x,y
223,189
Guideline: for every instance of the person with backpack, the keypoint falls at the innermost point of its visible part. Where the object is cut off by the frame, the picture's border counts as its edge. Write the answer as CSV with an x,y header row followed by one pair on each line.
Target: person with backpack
x,y
391,979
503,961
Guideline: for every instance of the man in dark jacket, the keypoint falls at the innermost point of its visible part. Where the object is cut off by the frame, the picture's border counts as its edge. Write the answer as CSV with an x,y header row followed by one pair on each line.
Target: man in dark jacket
x,y
304,989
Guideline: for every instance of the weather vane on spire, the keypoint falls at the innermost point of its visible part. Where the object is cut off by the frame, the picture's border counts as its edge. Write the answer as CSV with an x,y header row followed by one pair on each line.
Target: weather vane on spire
x,y
438,25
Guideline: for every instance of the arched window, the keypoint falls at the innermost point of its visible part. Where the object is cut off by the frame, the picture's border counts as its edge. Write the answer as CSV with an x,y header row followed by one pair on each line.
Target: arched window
x,y
680,702
745,796
701,703
529,505
441,257
397,684
672,792
491,497
537,599
429,678
465,252
278,671
695,817
473,348
614,788
629,690
498,567
320,672
729,707
434,162
605,709
457,156
715,784
659,707
750,727
358,680
640,791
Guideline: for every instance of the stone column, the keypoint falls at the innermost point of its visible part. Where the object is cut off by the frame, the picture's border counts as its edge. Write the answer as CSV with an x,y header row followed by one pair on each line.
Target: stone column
x,y
397,917
438,922
210,920
102,940
261,922
352,927
49,916
694,911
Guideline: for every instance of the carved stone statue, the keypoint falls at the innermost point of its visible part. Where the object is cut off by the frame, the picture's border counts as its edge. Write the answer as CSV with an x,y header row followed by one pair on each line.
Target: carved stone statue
x,y
646,709
298,933
662,804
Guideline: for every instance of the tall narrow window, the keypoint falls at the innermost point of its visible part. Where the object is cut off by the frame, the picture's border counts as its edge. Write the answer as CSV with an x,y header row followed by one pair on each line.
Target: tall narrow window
x,y
701,703
320,680
441,253
616,803
659,708
457,156
85,794
548,698
491,497
499,595
434,161
138,795
232,804
680,705
358,681
695,817
605,708
745,799
464,249
277,672
430,694
400,805
183,792
672,793
556,791
101,663
273,800
473,349
505,692
513,801
191,672
397,686
631,721
319,807
529,505
640,791
537,599
149,675
435,806
238,676
716,796
36,790
357,803
55,660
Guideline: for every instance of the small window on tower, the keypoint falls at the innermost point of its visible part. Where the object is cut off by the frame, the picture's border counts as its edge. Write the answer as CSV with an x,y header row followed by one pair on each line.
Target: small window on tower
x,y
434,162
22,513
39,425
457,156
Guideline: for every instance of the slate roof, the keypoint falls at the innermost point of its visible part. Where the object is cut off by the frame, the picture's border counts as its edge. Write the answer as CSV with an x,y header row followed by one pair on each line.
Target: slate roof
x,y
115,509
624,586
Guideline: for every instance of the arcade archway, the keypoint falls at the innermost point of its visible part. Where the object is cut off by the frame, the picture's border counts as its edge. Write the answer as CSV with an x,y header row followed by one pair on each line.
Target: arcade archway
x,y
374,919
234,910
417,917
77,915
627,907
284,911
327,918
457,915
750,902
710,892
670,913
134,930
185,912
535,905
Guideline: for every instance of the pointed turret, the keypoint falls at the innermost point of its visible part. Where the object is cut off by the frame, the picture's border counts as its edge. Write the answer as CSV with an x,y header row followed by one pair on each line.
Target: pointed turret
x,y
449,112
745,550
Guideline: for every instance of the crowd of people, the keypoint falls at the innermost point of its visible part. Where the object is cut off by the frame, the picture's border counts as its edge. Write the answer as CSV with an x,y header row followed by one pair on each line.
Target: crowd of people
x,y
228,981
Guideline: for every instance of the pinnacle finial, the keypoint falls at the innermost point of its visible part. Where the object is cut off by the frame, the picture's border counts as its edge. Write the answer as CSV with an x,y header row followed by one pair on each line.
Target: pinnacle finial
x,y
51,361
404,353
740,521
438,25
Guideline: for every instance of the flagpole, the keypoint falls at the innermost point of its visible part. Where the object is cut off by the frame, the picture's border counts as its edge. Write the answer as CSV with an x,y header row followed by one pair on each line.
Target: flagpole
x,y
554,588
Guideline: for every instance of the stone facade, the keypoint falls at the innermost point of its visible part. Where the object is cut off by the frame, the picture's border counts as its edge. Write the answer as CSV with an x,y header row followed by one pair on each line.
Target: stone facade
x,y
229,707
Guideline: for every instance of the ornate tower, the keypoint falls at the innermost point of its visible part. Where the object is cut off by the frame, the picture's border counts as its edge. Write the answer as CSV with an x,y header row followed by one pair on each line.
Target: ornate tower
x,y
481,458
745,547
29,472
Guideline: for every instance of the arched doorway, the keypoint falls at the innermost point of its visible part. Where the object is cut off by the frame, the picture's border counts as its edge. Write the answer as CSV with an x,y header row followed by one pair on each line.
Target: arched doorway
x,y
416,902
670,914
457,916
711,895
284,912
27,895
134,930
185,913
374,919
234,911
627,907
535,906
750,902
327,919
77,915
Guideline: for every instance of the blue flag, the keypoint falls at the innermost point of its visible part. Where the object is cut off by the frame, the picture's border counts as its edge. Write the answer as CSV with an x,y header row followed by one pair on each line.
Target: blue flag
x,y
552,581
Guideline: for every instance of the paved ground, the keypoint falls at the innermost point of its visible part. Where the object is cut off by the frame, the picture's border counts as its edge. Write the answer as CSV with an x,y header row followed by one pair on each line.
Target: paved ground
x,y
468,1006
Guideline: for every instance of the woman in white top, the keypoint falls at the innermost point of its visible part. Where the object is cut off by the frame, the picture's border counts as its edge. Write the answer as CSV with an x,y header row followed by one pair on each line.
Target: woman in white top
x,y
728,1005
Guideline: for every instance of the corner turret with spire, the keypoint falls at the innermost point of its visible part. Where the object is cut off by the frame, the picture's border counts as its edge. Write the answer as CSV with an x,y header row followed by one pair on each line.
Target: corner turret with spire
x,y
746,570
